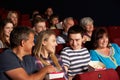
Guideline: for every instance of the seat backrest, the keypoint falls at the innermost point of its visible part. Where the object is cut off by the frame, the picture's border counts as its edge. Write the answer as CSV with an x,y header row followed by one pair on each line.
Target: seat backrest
x,y
57,31
116,40
113,31
58,79
59,48
2,49
118,70
108,74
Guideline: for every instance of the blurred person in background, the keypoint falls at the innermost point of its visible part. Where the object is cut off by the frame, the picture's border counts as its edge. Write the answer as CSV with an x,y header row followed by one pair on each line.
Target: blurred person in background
x,y
39,24
88,25
67,23
48,13
5,30
13,15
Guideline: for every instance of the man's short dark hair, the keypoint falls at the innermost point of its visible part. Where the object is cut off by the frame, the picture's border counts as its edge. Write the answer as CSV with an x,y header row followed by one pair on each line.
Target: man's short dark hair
x,y
18,34
76,29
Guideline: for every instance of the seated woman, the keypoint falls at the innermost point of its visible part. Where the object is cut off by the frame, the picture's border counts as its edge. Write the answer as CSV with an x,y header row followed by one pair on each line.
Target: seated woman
x,y
5,30
88,25
44,51
103,51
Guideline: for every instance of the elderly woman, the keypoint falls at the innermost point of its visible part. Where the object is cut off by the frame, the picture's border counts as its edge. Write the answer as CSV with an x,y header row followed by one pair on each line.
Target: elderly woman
x,y
44,51
103,51
87,24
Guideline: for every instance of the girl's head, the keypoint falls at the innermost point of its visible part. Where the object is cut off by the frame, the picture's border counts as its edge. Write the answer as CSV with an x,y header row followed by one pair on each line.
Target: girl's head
x,y
46,41
5,30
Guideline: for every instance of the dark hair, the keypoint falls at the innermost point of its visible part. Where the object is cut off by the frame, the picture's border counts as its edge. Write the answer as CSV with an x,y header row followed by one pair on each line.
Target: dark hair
x,y
76,29
37,20
54,16
96,35
2,34
18,34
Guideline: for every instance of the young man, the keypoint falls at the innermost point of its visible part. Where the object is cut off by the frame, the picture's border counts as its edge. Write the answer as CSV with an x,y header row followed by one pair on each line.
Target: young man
x,y
16,63
75,58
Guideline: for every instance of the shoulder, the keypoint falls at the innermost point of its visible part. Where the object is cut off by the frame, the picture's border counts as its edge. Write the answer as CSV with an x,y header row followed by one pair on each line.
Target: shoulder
x,y
113,44
29,58
92,52
7,53
66,49
1,44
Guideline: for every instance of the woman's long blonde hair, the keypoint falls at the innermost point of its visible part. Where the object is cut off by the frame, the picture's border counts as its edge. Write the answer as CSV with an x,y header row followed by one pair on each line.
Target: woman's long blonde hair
x,y
43,36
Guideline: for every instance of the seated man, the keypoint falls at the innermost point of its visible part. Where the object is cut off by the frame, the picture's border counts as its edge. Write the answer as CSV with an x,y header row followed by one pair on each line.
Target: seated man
x,y
67,23
75,58
16,62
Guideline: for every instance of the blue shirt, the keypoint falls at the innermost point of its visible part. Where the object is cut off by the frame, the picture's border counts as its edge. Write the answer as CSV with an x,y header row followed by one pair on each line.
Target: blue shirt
x,y
111,61
9,61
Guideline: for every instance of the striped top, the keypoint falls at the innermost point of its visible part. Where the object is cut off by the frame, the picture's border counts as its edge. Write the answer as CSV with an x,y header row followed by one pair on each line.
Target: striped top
x,y
75,60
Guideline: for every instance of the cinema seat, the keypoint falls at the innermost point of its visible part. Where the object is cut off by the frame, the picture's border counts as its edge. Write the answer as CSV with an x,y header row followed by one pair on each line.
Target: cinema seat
x,y
108,74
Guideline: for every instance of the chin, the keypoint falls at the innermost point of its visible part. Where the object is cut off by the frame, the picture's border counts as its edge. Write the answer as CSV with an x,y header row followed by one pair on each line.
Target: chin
x,y
75,48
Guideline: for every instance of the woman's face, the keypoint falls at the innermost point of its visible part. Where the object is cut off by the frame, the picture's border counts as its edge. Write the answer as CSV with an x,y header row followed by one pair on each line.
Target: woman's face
x,y
49,11
103,42
14,18
7,29
89,27
50,44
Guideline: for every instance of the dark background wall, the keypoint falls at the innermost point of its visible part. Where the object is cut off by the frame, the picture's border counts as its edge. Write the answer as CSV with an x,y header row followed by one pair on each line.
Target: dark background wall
x,y
104,12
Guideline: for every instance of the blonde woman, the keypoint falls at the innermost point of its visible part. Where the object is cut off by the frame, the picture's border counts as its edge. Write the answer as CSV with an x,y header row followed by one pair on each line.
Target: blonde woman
x,y
44,51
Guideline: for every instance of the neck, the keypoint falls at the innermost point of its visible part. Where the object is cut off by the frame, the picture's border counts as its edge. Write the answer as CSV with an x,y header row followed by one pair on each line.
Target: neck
x,y
44,53
7,38
89,33
19,52
105,51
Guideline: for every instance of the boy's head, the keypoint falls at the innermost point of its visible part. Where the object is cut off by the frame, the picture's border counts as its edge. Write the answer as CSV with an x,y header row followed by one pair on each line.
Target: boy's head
x,y
75,35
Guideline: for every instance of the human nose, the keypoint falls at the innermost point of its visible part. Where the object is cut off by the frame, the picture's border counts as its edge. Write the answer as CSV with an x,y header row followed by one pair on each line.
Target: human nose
x,y
55,43
74,42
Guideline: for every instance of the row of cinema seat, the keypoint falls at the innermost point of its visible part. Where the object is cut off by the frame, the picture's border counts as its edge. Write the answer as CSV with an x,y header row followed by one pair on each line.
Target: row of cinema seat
x,y
114,34
108,74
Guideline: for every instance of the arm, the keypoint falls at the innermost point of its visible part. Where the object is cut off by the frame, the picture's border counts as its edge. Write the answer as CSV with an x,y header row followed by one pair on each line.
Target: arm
x,y
65,59
93,55
20,74
66,68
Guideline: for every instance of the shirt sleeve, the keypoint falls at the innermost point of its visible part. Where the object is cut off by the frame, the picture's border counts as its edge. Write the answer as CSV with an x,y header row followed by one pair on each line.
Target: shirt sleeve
x,y
8,61
65,58
60,40
93,55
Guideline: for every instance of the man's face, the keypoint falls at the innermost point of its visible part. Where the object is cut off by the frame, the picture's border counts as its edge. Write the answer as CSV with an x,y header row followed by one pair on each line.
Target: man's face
x,y
28,44
75,41
41,26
